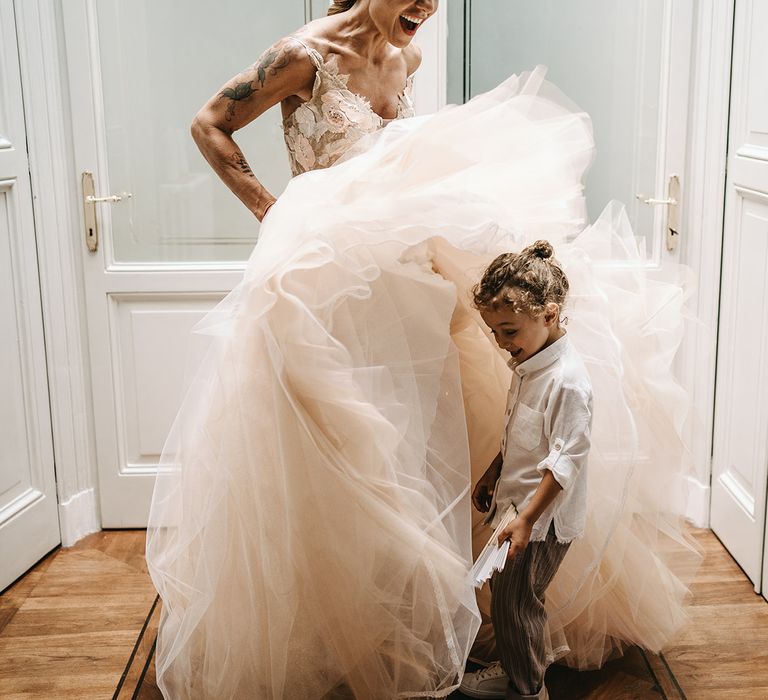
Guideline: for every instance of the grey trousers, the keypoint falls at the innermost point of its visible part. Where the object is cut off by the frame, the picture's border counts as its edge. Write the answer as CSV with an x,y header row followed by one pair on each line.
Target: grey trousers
x,y
518,614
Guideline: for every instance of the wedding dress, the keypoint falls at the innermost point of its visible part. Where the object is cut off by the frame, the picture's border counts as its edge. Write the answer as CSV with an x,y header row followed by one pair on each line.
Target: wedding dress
x,y
311,531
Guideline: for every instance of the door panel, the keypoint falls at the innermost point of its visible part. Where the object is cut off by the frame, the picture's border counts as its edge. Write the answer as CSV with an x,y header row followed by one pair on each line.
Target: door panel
x,y
152,331
740,459
29,525
138,72
625,62
179,243
156,63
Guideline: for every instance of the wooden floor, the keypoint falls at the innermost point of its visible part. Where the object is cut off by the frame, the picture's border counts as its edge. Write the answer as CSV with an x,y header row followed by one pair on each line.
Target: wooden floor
x,y
82,624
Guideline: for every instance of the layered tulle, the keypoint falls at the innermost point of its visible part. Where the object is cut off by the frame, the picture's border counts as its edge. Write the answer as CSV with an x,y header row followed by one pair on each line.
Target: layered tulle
x,y
310,531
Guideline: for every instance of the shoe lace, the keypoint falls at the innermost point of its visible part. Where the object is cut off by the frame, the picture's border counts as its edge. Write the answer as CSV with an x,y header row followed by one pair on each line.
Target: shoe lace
x,y
491,671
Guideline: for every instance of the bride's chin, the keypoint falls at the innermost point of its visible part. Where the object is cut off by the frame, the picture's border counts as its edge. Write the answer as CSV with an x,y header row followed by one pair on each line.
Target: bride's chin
x,y
401,43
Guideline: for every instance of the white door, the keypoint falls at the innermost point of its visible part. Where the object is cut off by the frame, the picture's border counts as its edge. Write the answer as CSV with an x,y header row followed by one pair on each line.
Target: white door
x,y
740,459
138,72
625,62
29,522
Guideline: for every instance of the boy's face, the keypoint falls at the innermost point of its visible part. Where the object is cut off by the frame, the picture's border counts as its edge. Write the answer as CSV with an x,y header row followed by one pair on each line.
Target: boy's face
x,y
520,334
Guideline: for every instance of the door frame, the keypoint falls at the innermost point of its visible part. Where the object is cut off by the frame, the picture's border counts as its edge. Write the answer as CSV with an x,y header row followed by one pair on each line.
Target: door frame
x,y
702,232
57,220
58,213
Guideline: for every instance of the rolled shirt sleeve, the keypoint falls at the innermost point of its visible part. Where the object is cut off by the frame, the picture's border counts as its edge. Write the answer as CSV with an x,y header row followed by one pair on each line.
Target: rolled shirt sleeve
x,y
567,423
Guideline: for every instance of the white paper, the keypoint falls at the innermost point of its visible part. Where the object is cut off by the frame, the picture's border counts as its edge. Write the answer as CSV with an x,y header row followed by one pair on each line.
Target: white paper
x,y
493,557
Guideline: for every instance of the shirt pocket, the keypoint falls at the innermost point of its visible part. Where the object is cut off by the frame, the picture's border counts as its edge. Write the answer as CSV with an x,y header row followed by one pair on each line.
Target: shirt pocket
x,y
527,427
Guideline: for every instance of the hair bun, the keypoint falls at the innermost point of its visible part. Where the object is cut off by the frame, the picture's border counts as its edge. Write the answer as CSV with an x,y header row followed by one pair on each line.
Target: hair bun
x,y
539,249
337,6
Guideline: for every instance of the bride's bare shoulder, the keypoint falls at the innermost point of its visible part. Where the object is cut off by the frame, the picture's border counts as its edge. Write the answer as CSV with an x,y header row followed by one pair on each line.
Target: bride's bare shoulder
x,y
318,34
412,56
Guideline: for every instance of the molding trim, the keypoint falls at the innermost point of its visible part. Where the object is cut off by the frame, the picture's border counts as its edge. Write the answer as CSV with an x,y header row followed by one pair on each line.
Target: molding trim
x,y
702,225
431,81
749,193
752,151
55,193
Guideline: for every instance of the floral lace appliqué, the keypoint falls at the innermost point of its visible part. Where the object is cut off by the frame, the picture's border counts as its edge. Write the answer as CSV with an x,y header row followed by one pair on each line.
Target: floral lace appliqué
x,y
322,129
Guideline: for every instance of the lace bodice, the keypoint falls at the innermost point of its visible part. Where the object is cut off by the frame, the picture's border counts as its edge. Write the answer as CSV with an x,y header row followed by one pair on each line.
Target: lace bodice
x,y
321,130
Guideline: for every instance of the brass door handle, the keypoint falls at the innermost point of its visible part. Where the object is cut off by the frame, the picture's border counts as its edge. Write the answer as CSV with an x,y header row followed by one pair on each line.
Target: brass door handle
x,y
90,200
673,213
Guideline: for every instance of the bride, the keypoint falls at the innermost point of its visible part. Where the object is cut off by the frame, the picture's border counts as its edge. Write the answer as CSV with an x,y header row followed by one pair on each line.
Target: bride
x,y
310,531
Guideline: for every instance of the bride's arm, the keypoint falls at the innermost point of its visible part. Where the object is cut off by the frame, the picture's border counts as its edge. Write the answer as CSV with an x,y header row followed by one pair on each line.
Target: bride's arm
x,y
283,70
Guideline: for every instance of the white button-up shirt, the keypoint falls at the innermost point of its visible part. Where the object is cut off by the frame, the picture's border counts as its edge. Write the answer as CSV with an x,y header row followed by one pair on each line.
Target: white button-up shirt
x,y
548,420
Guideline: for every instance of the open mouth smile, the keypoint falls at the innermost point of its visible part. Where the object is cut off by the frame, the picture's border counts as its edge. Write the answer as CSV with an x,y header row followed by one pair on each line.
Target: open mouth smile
x,y
410,24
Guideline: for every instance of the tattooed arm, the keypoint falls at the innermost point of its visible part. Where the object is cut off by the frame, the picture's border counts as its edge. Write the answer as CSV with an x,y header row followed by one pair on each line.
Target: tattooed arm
x,y
283,70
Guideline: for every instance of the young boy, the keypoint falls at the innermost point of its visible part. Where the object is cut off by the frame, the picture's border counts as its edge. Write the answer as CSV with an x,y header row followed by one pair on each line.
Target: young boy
x,y
541,469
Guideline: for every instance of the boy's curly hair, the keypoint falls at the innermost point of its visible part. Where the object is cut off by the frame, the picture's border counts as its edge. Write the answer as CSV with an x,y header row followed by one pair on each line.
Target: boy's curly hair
x,y
527,281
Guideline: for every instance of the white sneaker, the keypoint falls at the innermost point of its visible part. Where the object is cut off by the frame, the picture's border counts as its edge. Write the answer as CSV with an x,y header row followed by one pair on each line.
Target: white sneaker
x,y
489,682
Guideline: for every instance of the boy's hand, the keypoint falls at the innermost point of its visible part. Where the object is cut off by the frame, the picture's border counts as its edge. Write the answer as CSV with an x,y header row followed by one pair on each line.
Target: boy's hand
x,y
518,532
483,493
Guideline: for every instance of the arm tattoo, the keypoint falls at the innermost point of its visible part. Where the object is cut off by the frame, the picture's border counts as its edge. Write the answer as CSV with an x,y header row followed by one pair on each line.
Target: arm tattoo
x,y
242,164
267,65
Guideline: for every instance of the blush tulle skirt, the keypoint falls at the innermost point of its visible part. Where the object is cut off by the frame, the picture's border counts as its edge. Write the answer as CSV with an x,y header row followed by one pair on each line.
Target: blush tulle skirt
x,y
311,530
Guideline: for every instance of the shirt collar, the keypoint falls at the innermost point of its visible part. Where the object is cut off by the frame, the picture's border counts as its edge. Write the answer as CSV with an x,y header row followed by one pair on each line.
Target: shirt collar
x,y
541,359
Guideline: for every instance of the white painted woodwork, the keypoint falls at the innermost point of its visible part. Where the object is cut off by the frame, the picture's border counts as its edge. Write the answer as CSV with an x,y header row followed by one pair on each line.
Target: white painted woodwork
x,y
29,526
179,244
152,332
431,81
740,458
132,411
56,205
701,232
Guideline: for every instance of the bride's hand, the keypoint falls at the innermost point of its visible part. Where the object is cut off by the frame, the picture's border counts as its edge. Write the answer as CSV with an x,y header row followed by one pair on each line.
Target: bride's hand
x,y
266,208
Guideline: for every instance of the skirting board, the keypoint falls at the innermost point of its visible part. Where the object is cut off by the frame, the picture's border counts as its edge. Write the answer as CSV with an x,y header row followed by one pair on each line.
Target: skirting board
x,y
697,505
78,517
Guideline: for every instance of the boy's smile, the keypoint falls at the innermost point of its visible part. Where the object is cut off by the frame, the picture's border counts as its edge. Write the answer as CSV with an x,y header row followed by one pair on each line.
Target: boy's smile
x,y
521,334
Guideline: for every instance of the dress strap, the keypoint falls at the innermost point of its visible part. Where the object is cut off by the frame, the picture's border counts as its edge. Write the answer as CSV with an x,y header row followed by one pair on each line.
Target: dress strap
x,y
314,55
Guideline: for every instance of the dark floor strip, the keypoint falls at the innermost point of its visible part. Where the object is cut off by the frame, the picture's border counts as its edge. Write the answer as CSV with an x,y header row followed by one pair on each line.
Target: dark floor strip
x,y
135,648
656,680
673,677
150,656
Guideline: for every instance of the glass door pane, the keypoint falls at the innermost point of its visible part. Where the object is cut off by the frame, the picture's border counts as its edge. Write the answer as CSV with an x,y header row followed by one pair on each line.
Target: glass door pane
x,y
160,60
608,56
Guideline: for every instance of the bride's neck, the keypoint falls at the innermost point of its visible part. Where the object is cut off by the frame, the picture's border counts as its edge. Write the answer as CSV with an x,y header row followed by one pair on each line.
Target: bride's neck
x,y
358,31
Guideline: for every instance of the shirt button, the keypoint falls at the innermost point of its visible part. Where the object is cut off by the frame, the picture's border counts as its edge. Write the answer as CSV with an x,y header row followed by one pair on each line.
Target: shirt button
x,y
521,372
